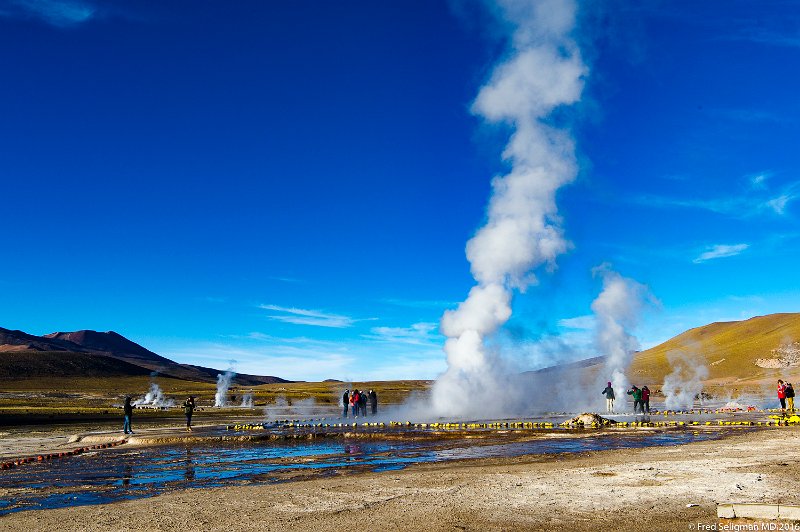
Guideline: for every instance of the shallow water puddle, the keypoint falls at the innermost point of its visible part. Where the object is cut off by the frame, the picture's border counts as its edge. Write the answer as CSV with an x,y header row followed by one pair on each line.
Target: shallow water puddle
x,y
121,474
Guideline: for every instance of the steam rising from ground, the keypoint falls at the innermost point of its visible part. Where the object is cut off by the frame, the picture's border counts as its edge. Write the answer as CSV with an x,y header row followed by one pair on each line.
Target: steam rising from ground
x,y
684,383
223,383
617,311
247,400
154,397
295,408
543,72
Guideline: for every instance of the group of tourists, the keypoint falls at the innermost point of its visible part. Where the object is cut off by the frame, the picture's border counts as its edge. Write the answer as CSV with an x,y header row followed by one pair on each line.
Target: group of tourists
x,y
127,410
641,398
356,402
786,396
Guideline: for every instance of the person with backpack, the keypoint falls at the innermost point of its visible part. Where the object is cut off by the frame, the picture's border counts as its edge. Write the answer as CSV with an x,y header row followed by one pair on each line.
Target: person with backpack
x,y
645,399
789,393
636,393
345,402
609,393
782,394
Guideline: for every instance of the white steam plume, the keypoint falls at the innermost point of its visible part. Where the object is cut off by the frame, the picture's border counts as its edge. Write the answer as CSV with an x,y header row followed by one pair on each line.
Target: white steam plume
x,y
617,311
223,383
684,383
247,400
544,71
154,397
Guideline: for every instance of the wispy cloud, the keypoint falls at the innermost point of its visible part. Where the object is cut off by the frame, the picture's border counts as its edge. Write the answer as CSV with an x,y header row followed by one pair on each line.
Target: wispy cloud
x,y
422,334
60,13
739,207
411,303
720,251
315,318
749,115
779,204
284,279
755,200
759,180
586,322
310,361
301,358
767,36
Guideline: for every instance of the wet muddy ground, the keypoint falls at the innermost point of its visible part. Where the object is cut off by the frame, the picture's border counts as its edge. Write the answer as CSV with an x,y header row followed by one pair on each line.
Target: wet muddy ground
x,y
135,472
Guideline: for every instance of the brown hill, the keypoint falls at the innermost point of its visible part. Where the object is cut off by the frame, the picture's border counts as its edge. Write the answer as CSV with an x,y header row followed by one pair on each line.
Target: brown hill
x,y
18,340
754,350
42,364
750,353
21,356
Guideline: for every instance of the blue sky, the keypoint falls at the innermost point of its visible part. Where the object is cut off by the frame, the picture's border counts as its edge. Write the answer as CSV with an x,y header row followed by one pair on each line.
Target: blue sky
x,y
290,185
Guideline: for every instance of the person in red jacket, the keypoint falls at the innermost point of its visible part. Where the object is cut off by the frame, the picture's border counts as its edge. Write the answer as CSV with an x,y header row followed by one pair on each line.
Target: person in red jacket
x,y
782,394
354,403
645,399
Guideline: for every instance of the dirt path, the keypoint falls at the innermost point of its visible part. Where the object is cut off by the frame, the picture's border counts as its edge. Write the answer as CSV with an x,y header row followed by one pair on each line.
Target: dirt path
x,y
636,489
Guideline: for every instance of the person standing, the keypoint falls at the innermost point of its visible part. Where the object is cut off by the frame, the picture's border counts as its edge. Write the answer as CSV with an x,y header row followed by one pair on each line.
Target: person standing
x,y
345,402
636,393
789,393
782,394
188,409
127,410
362,401
354,403
373,402
609,393
645,399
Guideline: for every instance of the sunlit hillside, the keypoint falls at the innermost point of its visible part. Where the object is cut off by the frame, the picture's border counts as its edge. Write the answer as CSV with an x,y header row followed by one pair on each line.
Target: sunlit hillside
x,y
752,351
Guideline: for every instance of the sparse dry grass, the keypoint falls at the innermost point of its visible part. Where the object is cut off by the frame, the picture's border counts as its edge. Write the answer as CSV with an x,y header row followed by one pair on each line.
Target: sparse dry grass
x,y
98,397
729,350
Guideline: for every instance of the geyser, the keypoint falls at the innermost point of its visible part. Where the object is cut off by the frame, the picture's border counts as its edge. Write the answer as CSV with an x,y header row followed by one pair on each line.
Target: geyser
x,y
543,72
617,311
223,383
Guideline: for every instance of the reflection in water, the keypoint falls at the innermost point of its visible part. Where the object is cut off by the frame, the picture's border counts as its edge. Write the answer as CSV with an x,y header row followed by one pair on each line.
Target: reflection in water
x,y
108,477
127,474
189,474
353,452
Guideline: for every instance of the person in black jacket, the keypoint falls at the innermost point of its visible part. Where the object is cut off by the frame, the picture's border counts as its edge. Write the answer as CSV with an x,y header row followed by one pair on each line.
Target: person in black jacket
x,y
362,401
188,409
789,393
373,402
345,402
127,409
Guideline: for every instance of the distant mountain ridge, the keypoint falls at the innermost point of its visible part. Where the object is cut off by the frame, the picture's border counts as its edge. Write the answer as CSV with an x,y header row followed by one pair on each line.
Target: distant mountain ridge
x,y
752,351
733,351
19,349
